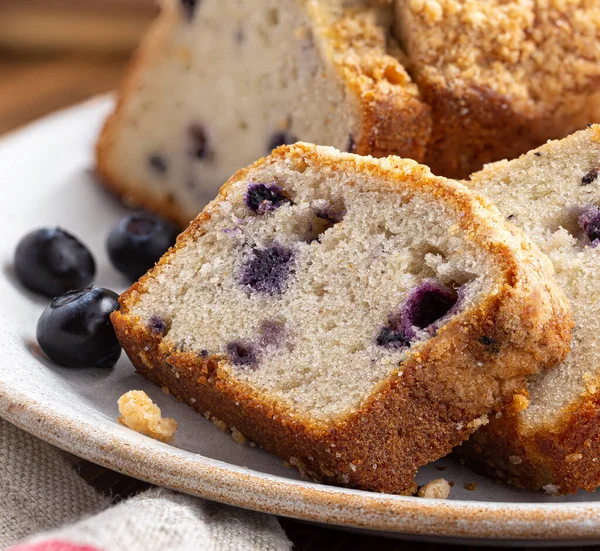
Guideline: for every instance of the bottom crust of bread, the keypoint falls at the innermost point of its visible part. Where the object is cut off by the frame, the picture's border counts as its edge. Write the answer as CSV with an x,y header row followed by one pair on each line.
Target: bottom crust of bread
x,y
560,459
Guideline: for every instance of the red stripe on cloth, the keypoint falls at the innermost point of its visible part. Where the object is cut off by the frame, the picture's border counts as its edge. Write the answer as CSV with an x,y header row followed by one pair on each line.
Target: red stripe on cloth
x,y
52,545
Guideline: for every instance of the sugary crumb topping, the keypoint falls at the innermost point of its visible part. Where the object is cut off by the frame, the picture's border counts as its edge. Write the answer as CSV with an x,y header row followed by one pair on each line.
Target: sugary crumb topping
x,y
436,489
141,414
551,489
533,51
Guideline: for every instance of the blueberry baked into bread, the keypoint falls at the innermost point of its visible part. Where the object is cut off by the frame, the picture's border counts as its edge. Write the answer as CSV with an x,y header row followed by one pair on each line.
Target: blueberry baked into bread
x,y
219,83
357,317
554,194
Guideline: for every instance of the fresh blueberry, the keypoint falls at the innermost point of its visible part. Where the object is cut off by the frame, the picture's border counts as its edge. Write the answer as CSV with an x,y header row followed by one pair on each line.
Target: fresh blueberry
x,y
267,270
330,215
281,138
272,333
51,262
262,198
242,354
589,222
138,241
75,329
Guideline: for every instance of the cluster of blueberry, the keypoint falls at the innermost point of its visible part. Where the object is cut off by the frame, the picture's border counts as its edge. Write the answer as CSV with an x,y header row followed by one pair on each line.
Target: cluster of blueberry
x,y
75,329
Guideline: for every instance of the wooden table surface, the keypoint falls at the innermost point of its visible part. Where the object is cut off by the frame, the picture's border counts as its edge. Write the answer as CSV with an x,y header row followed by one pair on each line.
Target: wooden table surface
x,y
31,87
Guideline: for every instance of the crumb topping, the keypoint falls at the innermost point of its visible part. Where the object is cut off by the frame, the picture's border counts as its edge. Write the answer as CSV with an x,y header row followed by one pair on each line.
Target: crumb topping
x,y
141,414
436,489
534,52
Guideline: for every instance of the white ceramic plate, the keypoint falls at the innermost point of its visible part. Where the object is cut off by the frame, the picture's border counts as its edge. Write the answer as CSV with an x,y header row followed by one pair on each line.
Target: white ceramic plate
x,y
46,179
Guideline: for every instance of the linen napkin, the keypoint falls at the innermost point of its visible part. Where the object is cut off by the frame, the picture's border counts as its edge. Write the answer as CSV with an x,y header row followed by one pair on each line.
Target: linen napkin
x,y
46,501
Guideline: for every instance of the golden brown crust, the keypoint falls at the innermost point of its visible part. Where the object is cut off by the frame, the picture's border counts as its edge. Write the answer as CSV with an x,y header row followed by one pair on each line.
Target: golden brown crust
x,y
473,126
562,451
113,176
393,124
391,119
566,456
475,364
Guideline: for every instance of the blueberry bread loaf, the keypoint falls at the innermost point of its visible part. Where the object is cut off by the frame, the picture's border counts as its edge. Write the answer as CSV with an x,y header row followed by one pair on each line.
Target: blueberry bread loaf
x,y
501,77
218,84
554,194
357,317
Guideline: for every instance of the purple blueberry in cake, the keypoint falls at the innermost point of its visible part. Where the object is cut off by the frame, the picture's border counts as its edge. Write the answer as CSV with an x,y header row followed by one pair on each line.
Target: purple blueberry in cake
x,y
198,145
157,325
189,7
267,270
425,305
242,354
589,222
392,338
158,164
263,198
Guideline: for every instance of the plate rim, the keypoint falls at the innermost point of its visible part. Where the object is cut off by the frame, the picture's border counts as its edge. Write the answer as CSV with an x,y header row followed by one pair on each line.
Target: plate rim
x,y
218,481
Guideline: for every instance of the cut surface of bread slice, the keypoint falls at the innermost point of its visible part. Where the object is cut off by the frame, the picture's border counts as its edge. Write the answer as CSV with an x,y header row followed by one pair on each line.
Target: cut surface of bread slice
x,y
501,76
358,317
220,84
554,194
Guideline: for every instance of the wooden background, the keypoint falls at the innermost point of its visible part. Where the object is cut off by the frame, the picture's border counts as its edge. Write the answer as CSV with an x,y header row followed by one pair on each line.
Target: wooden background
x,y
54,53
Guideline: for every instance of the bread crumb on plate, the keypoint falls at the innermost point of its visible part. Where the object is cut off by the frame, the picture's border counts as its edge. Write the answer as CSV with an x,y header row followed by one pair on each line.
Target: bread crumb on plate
x,y
141,414
436,489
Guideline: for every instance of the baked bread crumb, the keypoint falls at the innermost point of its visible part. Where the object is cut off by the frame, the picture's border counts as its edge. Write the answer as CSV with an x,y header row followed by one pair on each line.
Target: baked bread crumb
x,y
141,414
278,272
436,489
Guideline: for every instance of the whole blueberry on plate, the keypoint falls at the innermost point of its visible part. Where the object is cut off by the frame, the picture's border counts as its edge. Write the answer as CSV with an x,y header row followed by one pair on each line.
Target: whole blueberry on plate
x,y
51,262
75,329
138,241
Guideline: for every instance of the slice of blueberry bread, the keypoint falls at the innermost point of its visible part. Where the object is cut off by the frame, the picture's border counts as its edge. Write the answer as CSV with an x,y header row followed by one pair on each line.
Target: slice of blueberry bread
x,y
554,194
358,317
220,83
501,76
